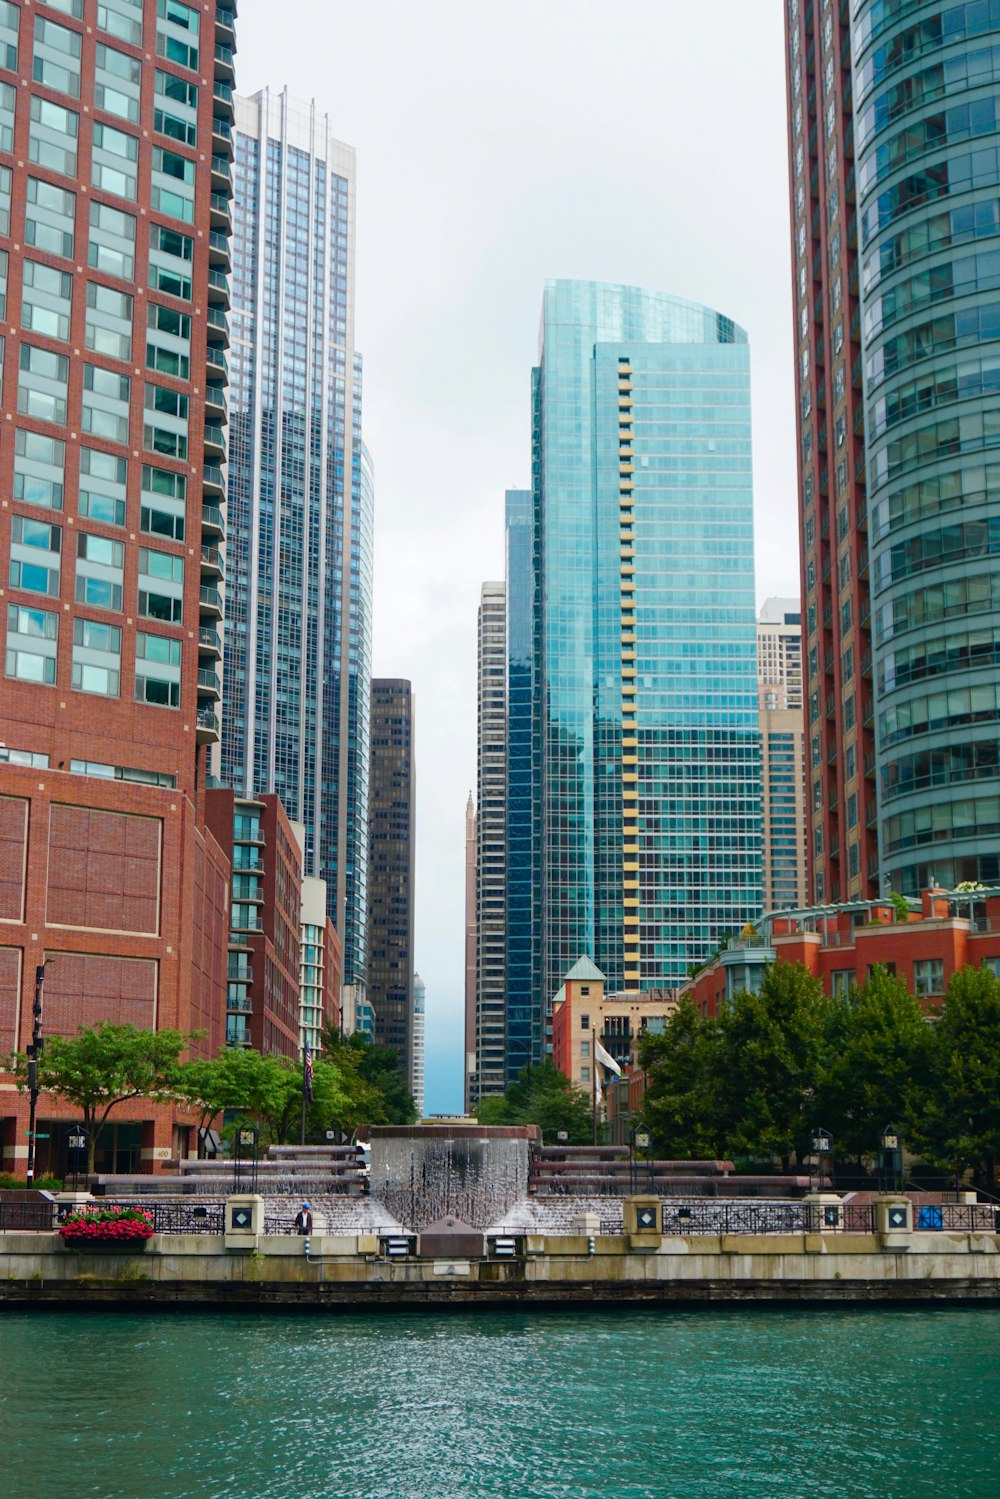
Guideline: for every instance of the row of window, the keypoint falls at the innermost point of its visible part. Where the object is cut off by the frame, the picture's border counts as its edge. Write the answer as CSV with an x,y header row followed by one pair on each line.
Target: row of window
x,y
950,544
43,393
32,646
39,479
956,650
35,567
940,231
970,817
934,388
46,308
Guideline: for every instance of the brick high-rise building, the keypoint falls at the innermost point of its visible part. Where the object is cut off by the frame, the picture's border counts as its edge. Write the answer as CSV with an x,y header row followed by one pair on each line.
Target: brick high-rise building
x,y
392,849
782,766
837,650
115,188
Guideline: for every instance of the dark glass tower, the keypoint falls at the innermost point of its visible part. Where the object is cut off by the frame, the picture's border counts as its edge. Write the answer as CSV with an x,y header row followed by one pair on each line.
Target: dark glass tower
x,y
522,1017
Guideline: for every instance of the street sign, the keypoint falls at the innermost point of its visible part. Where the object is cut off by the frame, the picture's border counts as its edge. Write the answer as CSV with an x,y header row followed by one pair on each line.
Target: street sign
x,y
38,1134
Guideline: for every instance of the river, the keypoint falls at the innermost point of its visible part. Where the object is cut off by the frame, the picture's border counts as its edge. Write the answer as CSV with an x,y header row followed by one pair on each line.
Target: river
x,y
602,1404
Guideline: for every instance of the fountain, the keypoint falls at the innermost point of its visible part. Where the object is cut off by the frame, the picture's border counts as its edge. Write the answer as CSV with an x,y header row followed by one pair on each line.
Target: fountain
x,y
425,1173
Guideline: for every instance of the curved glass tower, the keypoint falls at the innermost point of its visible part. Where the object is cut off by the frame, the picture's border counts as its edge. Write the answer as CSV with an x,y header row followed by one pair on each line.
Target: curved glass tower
x,y
927,148
645,698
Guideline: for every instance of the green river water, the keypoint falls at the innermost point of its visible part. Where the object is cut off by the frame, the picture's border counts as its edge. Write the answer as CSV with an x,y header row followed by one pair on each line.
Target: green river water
x,y
602,1404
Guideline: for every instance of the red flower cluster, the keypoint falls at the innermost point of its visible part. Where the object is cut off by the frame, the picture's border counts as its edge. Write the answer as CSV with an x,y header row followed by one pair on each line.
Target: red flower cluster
x,y
107,1226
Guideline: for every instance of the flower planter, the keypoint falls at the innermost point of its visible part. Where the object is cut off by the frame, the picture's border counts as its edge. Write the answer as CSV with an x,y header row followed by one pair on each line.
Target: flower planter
x,y
105,1246
113,1229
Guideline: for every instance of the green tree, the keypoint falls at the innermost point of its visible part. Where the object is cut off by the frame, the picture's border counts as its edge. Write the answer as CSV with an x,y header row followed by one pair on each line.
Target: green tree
x,y
378,1093
962,1119
544,1096
770,1052
876,1066
104,1066
682,1102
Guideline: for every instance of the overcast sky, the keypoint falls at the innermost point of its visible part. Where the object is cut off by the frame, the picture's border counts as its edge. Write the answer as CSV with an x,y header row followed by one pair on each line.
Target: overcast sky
x,y
501,142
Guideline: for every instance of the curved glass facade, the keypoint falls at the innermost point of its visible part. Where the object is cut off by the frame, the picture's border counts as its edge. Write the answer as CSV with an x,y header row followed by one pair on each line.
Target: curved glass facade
x,y
927,152
648,806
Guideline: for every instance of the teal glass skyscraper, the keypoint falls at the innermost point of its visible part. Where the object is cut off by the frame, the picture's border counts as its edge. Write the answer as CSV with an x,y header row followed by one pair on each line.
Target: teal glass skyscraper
x,y
927,150
647,845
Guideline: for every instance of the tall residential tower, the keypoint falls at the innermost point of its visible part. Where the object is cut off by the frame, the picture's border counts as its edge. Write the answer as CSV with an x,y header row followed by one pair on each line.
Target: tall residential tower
x,y
299,600
391,859
645,689
491,843
782,742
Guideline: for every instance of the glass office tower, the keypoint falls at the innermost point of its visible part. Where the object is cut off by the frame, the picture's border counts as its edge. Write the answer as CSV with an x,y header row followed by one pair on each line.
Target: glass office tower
x,y
298,626
645,690
927,147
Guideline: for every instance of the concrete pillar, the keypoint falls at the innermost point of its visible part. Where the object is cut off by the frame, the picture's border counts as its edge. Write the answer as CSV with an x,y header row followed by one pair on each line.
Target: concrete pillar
x,y
643,1221
894,1221
244,1221
825,1215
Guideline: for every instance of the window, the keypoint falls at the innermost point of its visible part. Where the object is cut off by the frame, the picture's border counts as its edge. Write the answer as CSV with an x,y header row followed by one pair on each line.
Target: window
x,y
39,469
103,478
53,136
46,300
112,241
176,114
170,256
171,175
168,347
57,57
42,384
121,18
10,19
164,500
117,78
928,977
49,217
97,656
8,97
841,982
161,585
115,161
585,1022
177,33
105,403
165,429
109,321
157,670
32,641
34,556
99,564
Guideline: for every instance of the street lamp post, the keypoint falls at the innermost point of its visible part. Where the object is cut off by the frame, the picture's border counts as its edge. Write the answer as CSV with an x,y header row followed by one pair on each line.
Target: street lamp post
x,y
34,1052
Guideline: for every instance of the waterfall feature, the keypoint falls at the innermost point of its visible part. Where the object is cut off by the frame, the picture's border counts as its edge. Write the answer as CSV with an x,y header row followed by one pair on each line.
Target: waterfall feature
x,y
473,1172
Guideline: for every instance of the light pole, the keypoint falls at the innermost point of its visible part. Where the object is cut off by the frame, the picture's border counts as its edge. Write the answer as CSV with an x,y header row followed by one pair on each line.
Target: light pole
x,y
34,1051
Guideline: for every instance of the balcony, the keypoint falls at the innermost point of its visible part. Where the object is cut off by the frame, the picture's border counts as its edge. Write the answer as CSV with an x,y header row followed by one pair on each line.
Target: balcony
x,y
218,327
212,519
222,137
212,560
222,180
219,249
215,402
210,641
222,93
208,682
207,727
215,442
210,600
225,66
218,287
217,359
239,1006
256,925
212,481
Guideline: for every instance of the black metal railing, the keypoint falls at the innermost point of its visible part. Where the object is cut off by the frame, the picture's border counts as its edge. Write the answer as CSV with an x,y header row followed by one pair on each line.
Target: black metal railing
x,y
26,1217
178,1217
957,1217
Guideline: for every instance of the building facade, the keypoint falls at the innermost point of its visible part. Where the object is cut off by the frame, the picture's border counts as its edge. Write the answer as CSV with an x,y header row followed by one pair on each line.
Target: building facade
x,y
583,1012
391,862
647,835
927,151
837,645
523,1037
265,921
491,847
115,224
299,601
782,753
471,1079
321,968
419,1041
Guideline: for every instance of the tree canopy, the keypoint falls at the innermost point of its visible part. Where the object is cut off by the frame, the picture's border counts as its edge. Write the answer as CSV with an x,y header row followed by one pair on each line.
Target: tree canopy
x,y
544,1096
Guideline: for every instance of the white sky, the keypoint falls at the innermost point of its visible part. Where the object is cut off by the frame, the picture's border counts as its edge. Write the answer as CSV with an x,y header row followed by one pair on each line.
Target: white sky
x,y
501,142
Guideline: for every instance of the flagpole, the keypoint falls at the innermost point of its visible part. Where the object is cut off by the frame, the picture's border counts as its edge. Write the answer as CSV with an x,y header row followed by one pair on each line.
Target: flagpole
x,y
593,1077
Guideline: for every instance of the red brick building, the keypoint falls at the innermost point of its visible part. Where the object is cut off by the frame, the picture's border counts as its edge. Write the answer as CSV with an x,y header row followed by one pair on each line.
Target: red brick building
x,y
840,945
265,920
115,187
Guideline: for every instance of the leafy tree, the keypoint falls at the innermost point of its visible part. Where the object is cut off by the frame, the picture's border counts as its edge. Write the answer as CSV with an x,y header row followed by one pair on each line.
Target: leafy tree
x,y
770,1050
269,1089
104,1066
876,1067
544,1096
378,1092
682,1102
962,1120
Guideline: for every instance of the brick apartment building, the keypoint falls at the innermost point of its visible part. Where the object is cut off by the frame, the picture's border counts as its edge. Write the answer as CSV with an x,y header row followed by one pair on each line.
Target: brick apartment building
x,y
115,187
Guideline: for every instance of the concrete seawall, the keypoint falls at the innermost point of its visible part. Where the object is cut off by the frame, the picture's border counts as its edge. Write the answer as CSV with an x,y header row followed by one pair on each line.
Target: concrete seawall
x,y
352,1271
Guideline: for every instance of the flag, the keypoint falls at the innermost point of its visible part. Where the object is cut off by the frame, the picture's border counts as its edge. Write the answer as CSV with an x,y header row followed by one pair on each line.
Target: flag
x,y
307,1075
605,1058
